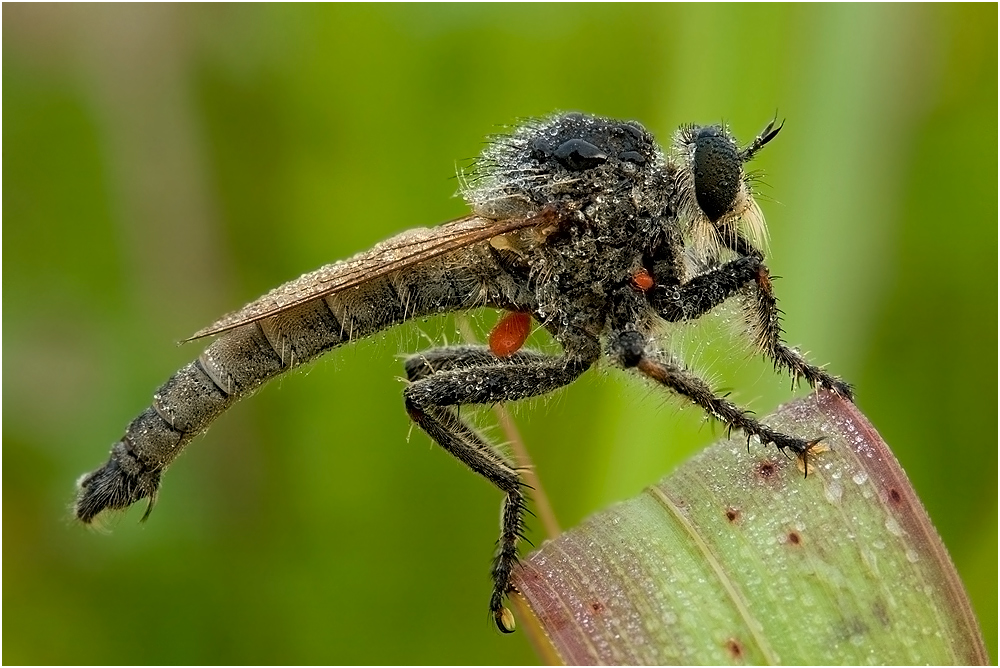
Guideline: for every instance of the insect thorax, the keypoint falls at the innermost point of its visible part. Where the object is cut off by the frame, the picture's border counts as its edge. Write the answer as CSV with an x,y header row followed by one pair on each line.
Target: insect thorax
x,y
612,189
565,160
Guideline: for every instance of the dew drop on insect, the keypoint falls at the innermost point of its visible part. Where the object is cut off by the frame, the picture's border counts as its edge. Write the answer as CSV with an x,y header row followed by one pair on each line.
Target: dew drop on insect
x,y
505,620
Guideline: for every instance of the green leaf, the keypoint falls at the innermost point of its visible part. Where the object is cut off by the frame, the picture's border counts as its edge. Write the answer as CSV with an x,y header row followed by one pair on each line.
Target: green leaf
x,y
738,558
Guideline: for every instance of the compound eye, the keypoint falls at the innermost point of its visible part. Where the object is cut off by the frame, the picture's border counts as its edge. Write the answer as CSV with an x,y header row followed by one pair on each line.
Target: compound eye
x,y
578,155
717,172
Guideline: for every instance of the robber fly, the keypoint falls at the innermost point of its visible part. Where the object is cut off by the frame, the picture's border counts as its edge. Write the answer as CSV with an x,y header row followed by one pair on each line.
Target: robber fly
x,y
580,223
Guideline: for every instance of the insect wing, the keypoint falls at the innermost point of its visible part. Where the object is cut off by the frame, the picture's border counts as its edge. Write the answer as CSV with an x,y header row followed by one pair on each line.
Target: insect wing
x,y
397,253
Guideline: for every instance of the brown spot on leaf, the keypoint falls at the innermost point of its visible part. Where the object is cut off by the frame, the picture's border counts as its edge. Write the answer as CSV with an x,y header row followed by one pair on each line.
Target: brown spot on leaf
x,y
556,621
596,607
734,648
895,496
732,514
528,574
849,629
881,613
766,469
794,538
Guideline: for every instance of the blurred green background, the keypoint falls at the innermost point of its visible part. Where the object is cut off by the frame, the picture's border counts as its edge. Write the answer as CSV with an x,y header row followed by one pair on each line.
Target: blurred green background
x,y
164,164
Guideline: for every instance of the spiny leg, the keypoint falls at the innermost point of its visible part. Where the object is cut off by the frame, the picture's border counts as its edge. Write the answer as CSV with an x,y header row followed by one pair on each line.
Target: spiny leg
x,y
630,349
765,318
704,292
460,375
745,274
448,358
451,433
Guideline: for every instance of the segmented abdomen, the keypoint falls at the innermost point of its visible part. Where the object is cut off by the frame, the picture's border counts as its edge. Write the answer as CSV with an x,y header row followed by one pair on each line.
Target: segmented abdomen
x,y
243,359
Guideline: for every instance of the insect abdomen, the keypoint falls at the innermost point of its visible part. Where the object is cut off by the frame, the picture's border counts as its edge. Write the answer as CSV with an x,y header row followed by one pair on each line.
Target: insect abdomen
x,y
182,408
243,359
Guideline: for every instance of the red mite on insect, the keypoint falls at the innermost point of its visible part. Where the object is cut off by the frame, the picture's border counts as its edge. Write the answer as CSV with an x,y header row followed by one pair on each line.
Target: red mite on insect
x,y
510,333
643,281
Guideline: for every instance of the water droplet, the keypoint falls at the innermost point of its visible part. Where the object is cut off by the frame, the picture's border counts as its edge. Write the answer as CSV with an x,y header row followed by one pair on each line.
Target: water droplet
x,y
860,478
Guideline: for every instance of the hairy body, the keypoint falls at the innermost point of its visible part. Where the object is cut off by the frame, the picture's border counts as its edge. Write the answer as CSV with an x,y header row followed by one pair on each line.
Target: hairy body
x,y
580,221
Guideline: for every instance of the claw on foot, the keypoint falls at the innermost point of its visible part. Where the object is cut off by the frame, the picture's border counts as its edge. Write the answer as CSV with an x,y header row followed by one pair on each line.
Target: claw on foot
x,y
813,448
845,390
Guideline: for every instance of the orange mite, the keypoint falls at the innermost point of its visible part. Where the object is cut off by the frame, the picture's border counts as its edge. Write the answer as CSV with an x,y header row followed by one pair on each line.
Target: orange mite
x,y
510,333
643,280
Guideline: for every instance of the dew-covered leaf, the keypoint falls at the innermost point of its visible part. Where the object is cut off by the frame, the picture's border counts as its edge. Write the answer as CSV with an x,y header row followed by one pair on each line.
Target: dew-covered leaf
x,y
737,558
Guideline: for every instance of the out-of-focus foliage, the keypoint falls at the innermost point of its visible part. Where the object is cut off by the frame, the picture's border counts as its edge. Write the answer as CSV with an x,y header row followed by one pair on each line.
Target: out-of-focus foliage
x,y
164,164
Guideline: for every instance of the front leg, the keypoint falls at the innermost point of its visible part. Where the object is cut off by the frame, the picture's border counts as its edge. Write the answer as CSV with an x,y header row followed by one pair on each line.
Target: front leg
x,y
451,377
704,292
764,317
746,274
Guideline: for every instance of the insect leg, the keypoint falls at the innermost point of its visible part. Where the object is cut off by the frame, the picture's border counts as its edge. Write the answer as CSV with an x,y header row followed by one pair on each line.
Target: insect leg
x,y
447,358
764,317
459,375
630,350
745,274
704,292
